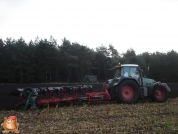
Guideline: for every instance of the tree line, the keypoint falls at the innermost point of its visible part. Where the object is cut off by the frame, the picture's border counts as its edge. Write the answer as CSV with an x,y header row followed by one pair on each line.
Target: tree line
x,y
44,61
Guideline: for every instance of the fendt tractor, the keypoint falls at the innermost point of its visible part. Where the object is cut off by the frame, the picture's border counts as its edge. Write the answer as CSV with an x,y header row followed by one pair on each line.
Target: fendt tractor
x,y
127,86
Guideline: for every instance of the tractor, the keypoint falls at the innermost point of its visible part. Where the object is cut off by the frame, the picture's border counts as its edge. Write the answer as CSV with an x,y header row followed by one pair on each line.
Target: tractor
x,y
127,86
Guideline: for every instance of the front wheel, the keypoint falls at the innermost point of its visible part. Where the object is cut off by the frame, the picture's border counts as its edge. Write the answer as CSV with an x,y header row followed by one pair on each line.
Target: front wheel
x,y
159,94
128,92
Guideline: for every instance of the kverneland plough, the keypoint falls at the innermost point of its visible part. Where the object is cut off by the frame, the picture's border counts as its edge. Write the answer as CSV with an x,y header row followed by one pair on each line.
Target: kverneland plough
x,y
127,86
33,97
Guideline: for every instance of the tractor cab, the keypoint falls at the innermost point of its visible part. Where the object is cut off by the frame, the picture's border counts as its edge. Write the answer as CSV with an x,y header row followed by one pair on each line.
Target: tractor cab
x,y
130,71
125,71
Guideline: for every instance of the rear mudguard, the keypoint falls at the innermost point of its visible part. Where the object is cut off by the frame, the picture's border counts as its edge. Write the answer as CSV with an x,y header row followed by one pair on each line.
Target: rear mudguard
x,y
119,80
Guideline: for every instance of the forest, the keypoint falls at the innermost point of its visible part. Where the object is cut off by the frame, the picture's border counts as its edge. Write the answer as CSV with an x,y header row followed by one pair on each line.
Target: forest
x,y
46,61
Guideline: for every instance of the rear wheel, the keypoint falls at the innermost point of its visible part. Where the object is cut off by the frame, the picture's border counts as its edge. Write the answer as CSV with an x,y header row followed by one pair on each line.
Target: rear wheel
x,y
159,94
128,92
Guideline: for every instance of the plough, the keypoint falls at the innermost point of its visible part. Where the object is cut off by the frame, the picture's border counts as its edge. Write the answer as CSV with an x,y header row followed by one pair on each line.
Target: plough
x,y
33,97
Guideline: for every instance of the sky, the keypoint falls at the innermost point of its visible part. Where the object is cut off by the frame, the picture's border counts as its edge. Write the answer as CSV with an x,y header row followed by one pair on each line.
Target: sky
x,y
143,25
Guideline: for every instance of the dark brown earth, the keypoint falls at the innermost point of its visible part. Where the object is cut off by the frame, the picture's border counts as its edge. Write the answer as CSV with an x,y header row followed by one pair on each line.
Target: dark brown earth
x,y
8,102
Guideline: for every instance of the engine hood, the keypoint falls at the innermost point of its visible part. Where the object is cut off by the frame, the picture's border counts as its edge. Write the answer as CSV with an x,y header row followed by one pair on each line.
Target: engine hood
x,y
148,81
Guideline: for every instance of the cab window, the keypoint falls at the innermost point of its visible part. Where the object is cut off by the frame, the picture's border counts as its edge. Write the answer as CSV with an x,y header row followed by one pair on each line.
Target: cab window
x,y
125,71
134,72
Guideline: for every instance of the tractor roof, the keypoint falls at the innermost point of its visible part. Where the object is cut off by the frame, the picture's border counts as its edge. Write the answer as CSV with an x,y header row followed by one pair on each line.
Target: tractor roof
x,y
124,65
133,65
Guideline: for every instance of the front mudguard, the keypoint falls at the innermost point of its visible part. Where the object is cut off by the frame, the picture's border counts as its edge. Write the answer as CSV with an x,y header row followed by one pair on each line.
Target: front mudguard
x,y
167,87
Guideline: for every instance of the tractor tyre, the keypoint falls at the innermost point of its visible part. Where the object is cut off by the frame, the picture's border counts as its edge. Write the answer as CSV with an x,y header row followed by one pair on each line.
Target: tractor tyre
x,y
26,92
128,92
159,93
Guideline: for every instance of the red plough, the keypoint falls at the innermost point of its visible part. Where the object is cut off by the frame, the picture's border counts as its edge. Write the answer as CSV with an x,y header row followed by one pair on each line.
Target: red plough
x,y
53,95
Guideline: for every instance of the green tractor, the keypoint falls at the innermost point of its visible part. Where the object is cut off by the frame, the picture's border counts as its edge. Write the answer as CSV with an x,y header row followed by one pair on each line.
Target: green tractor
x,y
128,85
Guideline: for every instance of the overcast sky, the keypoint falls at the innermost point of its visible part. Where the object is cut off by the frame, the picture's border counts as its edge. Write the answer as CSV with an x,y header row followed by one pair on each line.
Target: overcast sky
x,y
144,25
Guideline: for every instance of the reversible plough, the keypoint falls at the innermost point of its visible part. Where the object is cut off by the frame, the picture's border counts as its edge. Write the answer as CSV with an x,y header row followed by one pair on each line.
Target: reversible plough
x,y
33,97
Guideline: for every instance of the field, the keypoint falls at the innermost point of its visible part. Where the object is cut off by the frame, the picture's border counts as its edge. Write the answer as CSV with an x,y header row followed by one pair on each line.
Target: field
x,y
144,117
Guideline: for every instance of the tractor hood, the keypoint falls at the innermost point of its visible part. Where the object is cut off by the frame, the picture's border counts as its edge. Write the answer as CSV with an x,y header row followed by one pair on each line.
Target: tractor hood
x,y
148,82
